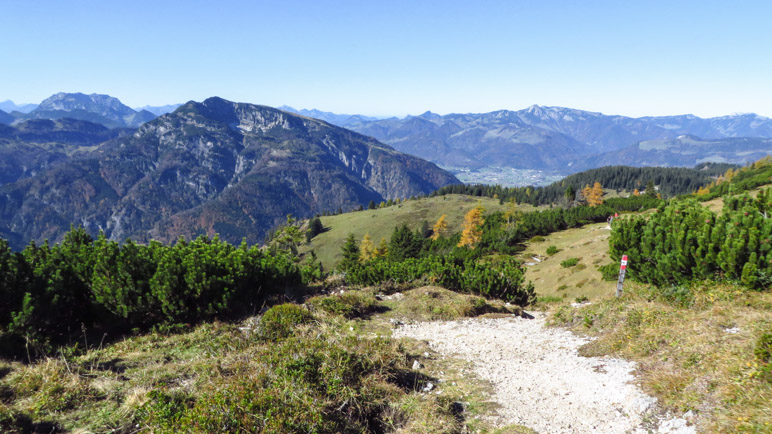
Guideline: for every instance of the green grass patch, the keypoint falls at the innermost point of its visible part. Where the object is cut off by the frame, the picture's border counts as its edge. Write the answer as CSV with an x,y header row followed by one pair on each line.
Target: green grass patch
x,y
570,262
380,223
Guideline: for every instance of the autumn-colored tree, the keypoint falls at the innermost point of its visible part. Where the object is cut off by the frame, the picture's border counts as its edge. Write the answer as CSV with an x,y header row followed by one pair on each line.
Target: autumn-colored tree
x,y
512,215
586,192
366,249
439,228
473,221
636,192
595,196
382,249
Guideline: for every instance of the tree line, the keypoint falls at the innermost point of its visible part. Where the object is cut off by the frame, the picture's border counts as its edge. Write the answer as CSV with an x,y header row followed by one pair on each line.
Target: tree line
x,y
671,181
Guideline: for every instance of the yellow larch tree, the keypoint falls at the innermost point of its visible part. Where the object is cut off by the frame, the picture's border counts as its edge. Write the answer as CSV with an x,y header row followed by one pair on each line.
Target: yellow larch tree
x,y
586,191
367,249
512,215
439,228
595,196
473,221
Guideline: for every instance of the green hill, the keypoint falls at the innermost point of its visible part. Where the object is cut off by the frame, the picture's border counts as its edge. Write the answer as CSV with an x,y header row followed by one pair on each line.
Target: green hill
x,y
380,223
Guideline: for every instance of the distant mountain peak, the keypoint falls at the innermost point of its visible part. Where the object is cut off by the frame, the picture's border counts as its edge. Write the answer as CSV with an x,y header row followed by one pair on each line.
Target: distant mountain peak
x,y
9,106
158,110
104,109
535,109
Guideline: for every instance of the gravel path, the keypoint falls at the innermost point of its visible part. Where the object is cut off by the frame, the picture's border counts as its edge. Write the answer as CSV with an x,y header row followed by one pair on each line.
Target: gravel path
x,y
541,382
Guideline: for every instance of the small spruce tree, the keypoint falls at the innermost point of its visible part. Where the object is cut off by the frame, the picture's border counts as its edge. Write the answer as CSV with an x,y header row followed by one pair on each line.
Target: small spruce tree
x,y
350,253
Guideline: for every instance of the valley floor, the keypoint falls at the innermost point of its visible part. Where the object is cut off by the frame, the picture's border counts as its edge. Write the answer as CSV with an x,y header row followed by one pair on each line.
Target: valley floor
x,y
541,382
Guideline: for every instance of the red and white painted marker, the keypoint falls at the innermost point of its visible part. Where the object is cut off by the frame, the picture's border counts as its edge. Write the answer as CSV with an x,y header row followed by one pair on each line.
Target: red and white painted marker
x,y
622,270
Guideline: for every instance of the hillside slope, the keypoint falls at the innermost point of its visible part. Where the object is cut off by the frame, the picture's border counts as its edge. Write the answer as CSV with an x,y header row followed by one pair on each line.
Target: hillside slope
x,y
29,147
380,223
683,151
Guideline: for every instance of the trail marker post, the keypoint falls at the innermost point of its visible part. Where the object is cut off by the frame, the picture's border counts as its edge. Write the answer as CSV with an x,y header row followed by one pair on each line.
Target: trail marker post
x,y
622,269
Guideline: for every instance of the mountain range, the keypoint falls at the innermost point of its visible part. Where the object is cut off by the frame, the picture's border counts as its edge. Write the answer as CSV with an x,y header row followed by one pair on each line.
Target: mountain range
x,y
340,120
683,151
557,138
210,167
238,169
158,110
8,106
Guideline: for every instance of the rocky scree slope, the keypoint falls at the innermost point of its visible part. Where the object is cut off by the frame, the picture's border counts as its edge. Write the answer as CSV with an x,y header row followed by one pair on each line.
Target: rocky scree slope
x,y
212,167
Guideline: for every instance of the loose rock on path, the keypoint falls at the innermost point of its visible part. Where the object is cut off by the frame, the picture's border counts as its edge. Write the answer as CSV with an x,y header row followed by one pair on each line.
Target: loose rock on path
x,y
541,382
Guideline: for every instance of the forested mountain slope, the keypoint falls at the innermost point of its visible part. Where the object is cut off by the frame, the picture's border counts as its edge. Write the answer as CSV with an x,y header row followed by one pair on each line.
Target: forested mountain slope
x,y
212,167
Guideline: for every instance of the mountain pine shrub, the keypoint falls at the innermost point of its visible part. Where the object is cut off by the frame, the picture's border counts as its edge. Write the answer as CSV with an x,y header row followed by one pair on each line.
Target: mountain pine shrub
x,y
684,241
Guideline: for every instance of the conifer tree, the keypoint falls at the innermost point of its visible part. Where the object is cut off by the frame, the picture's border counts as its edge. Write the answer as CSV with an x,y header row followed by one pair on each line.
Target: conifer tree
x,y
595,195
371,205
570,194
366,249
512,215
404,244
350,253
315,228
473,221
650,190
586,191
439,228
383,248
288,237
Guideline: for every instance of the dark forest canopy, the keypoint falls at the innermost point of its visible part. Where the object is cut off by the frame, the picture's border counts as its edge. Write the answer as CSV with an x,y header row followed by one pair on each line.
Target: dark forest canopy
x,y
671,181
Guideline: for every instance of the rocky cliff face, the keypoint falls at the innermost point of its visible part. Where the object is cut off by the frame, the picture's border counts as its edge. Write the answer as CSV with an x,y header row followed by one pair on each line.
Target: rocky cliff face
x,y
216,166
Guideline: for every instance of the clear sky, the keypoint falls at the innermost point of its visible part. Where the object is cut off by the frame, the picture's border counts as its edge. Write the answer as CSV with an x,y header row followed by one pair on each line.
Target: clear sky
x,y
625,57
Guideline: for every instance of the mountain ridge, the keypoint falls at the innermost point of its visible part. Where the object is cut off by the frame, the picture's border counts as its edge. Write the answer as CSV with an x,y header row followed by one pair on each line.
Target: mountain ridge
x,y
543,137
212,167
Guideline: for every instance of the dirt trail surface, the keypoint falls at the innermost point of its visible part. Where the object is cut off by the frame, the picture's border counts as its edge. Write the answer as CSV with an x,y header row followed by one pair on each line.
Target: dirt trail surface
x,y
540,381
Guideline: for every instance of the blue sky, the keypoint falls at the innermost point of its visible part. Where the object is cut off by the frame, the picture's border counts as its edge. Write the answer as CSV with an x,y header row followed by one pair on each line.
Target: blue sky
x,y
708,58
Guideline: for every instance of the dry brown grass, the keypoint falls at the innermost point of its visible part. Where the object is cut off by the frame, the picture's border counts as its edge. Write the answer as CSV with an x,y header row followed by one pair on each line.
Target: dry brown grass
x,y
697,358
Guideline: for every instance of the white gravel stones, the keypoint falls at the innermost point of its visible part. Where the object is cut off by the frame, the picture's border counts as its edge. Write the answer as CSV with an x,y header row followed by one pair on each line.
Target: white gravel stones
x,y
539,379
